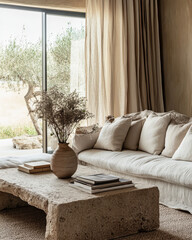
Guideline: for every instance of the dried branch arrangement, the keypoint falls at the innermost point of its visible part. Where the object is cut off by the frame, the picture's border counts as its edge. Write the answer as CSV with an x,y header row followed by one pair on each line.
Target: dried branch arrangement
x,y
62,111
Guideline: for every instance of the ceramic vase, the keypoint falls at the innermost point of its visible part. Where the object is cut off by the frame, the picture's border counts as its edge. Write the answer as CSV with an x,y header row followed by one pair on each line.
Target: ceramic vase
x,y
64,161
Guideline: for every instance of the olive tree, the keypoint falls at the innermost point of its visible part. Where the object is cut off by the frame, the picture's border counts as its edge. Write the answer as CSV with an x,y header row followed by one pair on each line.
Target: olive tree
x,y
21,66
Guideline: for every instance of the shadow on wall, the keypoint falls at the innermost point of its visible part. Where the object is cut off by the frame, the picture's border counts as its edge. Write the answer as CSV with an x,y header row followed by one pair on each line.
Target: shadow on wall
x,y
176,53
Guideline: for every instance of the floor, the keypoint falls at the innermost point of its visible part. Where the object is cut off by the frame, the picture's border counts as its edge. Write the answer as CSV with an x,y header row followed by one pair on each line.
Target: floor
x,y
7,149
28,223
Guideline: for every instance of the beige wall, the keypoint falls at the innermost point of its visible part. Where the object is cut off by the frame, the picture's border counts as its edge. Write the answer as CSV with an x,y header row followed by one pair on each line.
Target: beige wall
x,y
72,5
176,46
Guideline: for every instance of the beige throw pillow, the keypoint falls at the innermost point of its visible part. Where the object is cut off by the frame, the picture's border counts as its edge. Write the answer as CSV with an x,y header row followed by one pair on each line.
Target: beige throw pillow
x,y
174,136
184,152
85,138
133,135
113,134
152,139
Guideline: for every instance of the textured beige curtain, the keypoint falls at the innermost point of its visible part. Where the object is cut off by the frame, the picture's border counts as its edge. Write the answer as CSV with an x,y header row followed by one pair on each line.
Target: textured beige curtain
x,y
123,69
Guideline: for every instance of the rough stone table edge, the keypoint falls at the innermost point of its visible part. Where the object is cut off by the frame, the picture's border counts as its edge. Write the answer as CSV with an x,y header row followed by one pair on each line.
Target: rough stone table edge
x,y
18,191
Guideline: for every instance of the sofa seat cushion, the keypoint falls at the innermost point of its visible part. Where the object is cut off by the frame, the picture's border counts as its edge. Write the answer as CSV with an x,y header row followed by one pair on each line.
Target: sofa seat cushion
x,y
141,164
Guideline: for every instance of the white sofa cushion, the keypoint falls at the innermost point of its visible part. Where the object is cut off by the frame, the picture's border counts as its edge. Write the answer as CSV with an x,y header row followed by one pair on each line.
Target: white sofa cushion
x,y
14,161
184,152
152,139
113,134
133,135
141,164
174,136
83,141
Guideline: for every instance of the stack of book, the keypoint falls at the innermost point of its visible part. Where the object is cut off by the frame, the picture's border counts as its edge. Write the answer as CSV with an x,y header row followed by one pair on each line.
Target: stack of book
x,y
35,167
100,183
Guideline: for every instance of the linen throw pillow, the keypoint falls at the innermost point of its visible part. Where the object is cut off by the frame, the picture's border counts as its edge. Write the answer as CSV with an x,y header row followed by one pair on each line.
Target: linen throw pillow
x,y
152,139
133,135
85,138
184,152
113,134
174,136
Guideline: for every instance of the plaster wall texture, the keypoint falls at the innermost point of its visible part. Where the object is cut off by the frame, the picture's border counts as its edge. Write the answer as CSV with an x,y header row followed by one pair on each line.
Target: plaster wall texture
x,y
176,53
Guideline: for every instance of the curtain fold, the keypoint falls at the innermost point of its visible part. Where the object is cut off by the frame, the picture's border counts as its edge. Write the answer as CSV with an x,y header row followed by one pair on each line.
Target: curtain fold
x,y
123,67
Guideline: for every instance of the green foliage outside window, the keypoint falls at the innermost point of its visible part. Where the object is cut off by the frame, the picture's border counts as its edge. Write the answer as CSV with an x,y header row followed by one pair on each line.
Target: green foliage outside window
x,y
21,66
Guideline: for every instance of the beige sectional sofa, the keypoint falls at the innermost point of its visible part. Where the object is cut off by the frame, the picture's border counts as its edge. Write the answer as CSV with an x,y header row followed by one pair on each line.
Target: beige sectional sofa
x,y
148,163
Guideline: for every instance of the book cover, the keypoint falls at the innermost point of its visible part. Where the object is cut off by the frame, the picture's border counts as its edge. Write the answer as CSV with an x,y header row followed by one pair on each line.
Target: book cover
x,y
97,178
104,185
35,165
93,191
25,169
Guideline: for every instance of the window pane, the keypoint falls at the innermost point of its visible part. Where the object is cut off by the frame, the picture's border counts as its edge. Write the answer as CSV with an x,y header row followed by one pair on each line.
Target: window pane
x,y
20,77
65,56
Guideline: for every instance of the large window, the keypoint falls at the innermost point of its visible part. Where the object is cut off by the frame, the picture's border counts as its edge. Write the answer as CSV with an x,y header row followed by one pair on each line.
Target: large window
x,y
65,52
38,49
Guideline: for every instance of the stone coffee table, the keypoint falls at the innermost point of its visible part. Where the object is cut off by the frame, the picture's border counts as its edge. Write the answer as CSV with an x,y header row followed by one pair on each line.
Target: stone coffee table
x,y
73,214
